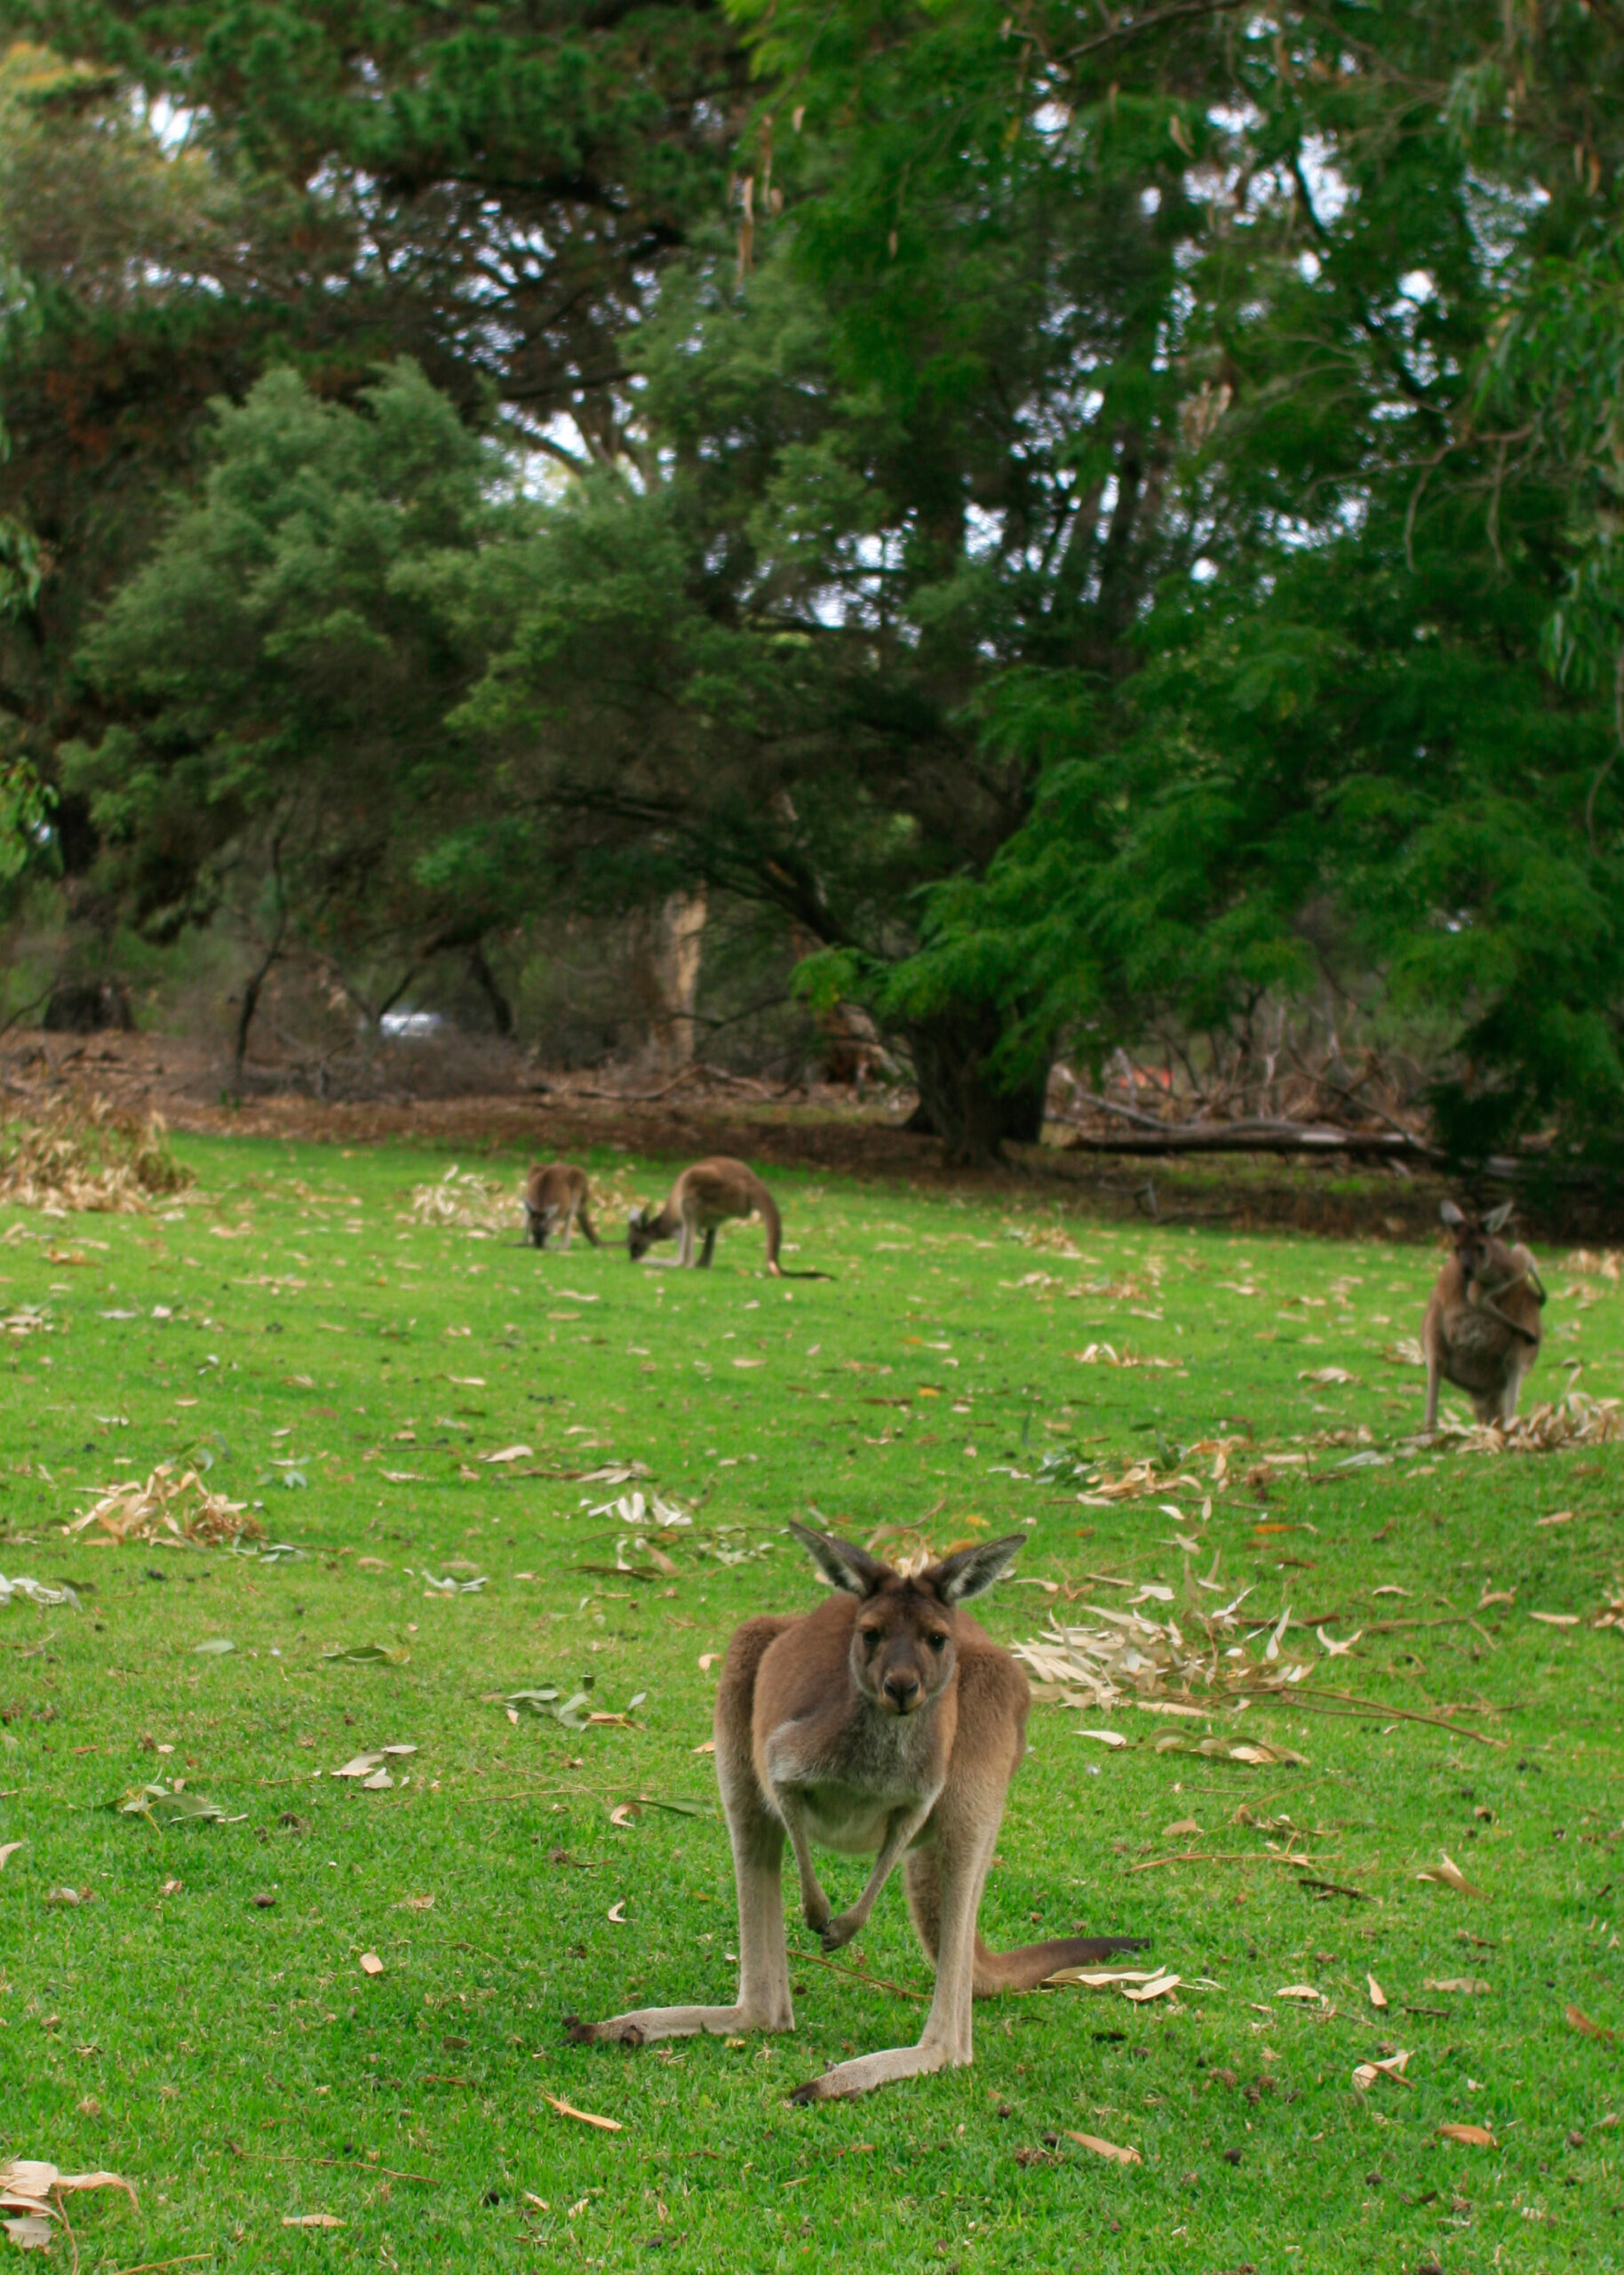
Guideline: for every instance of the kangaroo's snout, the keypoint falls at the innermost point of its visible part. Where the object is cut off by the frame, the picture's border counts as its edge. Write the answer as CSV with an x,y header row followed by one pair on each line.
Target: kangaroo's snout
x,y
902,1692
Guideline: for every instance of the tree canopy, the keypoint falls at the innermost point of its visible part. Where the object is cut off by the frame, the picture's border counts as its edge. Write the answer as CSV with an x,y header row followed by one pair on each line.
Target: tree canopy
x,y
1084,523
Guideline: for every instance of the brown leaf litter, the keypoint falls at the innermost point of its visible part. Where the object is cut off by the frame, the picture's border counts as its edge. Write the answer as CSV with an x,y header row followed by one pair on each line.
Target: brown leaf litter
x,y
1134,1660
169,1511
82,1154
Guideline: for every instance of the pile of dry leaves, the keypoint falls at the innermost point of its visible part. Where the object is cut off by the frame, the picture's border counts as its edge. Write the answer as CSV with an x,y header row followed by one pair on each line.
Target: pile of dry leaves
x,y
169,1511
465,1201
85,1156
1131,1659
1575,1419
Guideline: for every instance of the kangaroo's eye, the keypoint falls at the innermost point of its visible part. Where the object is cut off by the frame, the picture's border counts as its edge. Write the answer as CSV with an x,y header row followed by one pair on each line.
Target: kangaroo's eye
x,y
937,1643
871,1636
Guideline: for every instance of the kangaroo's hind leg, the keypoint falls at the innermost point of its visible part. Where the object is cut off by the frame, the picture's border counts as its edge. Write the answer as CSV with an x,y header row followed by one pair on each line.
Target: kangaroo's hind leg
x,y
763,2001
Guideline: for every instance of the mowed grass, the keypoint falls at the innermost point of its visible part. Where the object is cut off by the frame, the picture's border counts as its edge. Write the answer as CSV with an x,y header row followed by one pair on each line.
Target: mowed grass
x,y
235,2061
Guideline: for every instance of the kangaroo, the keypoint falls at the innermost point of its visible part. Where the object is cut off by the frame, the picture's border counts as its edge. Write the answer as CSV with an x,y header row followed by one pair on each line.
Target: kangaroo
x,y
703,1198
1483,1328
884,1723
554,1195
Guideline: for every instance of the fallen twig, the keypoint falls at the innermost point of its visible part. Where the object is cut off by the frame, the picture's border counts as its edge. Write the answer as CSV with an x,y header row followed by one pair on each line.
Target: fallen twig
x,y
875,1982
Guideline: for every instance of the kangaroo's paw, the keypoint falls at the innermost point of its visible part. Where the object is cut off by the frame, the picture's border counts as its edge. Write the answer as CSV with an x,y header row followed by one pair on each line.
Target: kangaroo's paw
x,y
646,2023
847,2078
836,1934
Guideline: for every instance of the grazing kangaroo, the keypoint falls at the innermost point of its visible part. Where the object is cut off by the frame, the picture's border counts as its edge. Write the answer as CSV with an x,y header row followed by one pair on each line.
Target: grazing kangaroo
x,y
703,1197
554,1195
1483,1328
884,1723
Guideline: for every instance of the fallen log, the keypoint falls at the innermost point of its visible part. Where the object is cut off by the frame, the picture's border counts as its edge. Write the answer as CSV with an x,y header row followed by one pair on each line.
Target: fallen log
x,y
1267,1138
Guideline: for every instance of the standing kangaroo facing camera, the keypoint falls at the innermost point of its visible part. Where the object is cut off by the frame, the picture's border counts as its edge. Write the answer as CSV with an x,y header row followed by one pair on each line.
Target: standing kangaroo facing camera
x,y
703,1197
1482,1328
884,1723
557,1195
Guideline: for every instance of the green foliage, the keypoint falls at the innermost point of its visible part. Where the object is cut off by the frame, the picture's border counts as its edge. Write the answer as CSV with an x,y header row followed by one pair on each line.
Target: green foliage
x,y
280,691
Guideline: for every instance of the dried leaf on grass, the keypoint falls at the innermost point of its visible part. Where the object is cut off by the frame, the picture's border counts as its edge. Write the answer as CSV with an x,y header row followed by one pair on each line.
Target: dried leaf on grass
x,y
1109,2149
28,2183
28,1318
1157,1987
583,2116
160,1806
85,1155
168,1508
1469,1985
9,1849
1580,2021
312,2220
1101,1355
1447,1873
370,1963
550,1703
36,1592
1367,2072
1105,1978
1470,2136
1378,1995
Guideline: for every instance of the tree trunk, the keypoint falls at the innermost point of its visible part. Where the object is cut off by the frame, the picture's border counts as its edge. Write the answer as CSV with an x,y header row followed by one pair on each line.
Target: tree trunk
x,y
960,1100
667,945
490,986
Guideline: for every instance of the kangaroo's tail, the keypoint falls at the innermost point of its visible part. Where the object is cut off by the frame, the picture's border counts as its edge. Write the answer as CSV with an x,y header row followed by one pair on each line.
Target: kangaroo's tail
x,y
1033,1963
995,1971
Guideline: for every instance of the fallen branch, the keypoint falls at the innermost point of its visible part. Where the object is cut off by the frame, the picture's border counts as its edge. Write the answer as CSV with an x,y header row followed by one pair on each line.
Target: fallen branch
x,y
1366,1710
1256,1137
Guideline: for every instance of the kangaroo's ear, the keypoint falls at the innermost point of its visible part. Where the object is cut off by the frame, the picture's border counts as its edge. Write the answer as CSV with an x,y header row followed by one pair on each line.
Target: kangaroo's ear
x,y
637,1220
840,1564
1450,1214
1499,1217
973,1571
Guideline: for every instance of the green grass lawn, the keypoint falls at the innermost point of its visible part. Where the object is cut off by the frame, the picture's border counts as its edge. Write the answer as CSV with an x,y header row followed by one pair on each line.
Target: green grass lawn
x,y
348,1368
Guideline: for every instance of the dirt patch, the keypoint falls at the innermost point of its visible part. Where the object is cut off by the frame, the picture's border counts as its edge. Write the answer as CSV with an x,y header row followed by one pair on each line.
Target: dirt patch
x,y
821,1128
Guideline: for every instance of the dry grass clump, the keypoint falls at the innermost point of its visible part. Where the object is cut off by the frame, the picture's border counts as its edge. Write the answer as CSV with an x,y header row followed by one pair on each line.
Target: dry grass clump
x,y
169,1511
85,1155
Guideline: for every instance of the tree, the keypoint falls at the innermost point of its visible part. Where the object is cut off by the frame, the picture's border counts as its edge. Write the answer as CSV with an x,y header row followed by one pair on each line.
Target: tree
x,y
1369,519
280,693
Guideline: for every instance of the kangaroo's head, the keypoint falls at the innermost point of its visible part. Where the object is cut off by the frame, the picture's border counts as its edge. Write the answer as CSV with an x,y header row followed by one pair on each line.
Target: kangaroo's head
x,y
640,1240
1478,1247
905,1638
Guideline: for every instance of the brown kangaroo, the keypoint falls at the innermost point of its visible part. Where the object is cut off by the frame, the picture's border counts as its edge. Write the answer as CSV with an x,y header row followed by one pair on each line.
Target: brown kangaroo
x,y
556,1195
1482,1328
703,1197
884,1723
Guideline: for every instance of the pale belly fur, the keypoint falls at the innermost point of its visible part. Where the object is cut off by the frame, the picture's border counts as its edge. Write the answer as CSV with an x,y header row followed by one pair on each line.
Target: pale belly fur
x,y
838,1818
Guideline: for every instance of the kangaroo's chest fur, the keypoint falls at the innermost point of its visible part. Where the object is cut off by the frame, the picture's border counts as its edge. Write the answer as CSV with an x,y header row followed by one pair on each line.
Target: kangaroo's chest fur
x,y
849,1765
